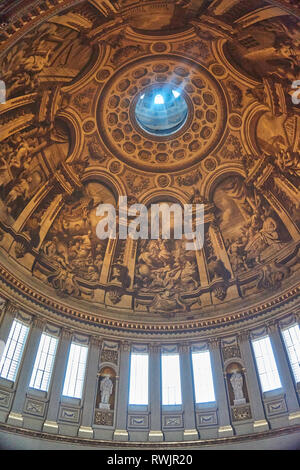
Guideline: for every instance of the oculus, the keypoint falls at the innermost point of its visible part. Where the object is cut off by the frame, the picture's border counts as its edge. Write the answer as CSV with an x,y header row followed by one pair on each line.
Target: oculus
x,y
161,110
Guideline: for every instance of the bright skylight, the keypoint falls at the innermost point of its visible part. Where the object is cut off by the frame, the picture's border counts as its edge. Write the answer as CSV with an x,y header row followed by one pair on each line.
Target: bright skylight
x,y
159,99
175,93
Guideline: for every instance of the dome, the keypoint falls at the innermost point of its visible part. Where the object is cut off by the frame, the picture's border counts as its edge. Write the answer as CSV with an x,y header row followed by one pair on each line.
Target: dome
x,y
149,224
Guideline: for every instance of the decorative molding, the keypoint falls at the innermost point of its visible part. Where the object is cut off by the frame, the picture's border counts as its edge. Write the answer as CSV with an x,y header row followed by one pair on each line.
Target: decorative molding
x,y
104,418
289,430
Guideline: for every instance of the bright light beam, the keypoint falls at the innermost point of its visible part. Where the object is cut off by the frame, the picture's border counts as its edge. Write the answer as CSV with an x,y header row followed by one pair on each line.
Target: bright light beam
x,y
159,99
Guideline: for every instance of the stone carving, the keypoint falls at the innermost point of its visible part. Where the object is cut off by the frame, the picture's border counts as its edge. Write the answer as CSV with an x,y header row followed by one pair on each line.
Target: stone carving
x,y
236,381
106,389
231,351
104,418
241,413
233,149
108,355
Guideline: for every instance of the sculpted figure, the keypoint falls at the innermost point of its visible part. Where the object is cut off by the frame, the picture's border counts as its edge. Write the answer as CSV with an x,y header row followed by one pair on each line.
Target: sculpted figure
x,y
236,381
106,388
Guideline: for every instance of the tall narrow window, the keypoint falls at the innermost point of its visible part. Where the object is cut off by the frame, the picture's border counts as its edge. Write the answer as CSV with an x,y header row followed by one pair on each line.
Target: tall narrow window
x,y
171,386
138,391
75,373
44,361
203,379
291,338
266,364
13,351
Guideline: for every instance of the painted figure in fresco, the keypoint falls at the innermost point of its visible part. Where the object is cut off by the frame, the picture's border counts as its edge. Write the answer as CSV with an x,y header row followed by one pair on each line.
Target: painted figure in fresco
x,y
165,264
106,389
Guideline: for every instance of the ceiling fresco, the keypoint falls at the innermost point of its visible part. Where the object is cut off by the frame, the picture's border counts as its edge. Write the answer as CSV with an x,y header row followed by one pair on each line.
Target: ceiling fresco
x,y
70,140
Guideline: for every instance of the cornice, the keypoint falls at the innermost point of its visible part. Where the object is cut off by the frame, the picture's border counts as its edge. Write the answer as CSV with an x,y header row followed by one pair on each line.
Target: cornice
x,y
88,320
150,445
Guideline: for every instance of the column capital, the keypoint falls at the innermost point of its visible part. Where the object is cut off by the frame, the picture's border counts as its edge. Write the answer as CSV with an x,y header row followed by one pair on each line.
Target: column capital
x,y
244,336
155,347
125,346
214,343
10,308
272,326
96,341
66,333
38,322
184,347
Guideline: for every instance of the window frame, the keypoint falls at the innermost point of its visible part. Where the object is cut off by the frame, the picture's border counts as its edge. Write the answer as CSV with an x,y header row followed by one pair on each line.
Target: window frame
x,y
31,385
168,405
276,371
201,403
135,353
8,345
286,348
83,380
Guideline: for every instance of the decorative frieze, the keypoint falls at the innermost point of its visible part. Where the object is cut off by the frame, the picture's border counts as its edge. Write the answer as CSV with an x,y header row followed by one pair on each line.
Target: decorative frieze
x,y
104,418
34,407
276,406
241,413
138,421
109,355
5,399
172,421
69,414
207,419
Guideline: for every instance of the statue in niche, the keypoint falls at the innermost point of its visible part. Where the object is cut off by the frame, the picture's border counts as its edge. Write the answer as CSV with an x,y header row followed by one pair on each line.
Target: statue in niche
x,y
106,389
236,380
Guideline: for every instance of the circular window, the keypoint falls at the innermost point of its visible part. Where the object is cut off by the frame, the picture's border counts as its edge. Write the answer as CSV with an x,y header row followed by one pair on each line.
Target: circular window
x,y
161,110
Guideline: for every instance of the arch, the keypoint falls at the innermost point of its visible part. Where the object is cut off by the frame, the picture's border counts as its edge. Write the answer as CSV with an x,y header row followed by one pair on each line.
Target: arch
x,y
104,176
165,195
250,120
72,120
220,54
213,179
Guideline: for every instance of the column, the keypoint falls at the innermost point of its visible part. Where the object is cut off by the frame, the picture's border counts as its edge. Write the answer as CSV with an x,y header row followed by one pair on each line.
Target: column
x,y
8,317
284,373
155,433
50,425
188,399
221,254
86,429
121,433
15,416
260,423
225,428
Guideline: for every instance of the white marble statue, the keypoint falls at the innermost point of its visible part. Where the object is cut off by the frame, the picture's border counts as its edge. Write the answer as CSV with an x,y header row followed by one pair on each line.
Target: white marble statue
x,y
106,388
236,381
